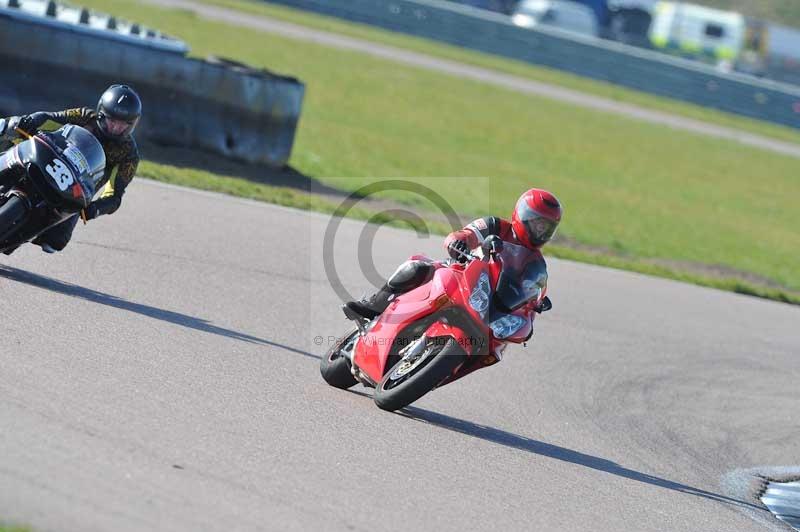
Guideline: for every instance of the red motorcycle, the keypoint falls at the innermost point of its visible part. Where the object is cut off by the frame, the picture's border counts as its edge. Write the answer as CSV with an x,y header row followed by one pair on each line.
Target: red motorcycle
x,y
458,322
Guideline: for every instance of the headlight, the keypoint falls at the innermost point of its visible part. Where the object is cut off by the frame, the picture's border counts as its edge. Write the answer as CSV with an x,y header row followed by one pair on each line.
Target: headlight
x,y
506,325
479,299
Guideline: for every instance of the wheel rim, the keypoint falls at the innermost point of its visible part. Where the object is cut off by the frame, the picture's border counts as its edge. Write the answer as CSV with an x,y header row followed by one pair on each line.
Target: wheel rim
x,y
410,364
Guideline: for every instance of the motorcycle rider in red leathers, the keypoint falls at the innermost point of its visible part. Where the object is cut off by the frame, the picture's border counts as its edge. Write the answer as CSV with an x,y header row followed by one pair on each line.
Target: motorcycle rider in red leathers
x,y
533,223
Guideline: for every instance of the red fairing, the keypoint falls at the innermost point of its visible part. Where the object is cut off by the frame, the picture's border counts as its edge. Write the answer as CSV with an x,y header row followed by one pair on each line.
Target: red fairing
x,y
453,307
443,330
372,350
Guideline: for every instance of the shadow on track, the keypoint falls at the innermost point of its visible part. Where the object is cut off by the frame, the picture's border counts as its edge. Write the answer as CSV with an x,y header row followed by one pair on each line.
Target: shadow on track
x,y
556,452
184,320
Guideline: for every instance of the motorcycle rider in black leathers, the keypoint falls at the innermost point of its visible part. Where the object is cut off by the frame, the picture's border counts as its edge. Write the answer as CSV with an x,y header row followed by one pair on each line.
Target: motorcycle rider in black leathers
x,y
112,122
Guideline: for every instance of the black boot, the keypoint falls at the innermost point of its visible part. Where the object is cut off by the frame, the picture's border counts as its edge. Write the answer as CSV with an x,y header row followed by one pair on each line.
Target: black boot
x,y
371,307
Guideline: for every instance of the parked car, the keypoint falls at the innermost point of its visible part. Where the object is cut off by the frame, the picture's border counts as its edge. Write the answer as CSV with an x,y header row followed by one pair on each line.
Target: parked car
x,y
562,14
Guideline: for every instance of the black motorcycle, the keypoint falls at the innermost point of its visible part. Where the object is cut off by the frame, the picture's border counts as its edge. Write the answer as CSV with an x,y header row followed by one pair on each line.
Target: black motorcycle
x,y
46,179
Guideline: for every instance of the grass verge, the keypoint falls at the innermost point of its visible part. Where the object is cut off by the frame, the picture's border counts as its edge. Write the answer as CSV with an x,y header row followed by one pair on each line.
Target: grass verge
x,y
13,528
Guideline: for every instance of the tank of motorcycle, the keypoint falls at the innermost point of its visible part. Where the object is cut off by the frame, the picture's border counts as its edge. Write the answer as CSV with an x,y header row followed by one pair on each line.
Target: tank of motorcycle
x,y
473,289
372,351
65,166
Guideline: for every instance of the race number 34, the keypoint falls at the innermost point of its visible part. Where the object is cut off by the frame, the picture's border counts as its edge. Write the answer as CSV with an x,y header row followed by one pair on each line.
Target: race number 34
x,y
60,174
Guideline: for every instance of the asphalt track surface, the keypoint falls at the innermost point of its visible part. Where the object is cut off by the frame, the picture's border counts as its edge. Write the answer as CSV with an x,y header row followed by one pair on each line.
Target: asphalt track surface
x,y
162,374
483,75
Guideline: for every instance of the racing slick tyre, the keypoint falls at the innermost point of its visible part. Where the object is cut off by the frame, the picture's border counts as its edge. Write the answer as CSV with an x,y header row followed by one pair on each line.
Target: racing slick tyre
x,y
12,212
417,374
335,367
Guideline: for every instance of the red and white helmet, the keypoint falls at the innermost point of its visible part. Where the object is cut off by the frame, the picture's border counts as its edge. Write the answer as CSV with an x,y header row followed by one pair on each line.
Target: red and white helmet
x,y
536,217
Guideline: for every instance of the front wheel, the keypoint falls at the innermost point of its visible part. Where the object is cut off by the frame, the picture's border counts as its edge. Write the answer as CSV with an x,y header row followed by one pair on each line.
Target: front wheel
x,y
12,215
417,374
335,367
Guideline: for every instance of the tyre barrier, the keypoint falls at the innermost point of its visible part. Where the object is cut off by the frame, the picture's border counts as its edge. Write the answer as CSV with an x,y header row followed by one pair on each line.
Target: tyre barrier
x,y
216,105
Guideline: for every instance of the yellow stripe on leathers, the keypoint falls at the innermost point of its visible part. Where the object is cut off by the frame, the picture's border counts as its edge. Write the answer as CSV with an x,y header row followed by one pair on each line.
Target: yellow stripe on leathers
x,y
108,190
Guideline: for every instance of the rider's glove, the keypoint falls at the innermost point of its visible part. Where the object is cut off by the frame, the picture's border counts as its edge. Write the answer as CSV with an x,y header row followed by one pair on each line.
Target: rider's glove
x,y
90,212
458,249
493,245
19,122
8,127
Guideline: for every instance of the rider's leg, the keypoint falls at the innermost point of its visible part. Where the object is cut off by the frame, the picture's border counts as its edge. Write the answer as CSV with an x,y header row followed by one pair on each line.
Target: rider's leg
x,y
57,237
409,275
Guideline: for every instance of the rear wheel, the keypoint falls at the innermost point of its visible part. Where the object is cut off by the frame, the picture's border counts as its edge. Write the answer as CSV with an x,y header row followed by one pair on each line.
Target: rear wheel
x,y
12,214
335,367
418,373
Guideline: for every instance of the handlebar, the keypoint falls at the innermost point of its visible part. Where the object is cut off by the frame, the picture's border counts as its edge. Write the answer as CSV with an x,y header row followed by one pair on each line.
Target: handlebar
x,y
469,256
492,246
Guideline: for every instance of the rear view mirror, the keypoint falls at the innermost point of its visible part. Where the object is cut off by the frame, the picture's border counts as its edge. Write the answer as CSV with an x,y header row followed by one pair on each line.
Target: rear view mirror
x,y
545,305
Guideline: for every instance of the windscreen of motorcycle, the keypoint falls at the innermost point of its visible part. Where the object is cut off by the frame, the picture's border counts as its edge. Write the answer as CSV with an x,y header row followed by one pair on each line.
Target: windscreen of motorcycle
x,y
82,152
70,163
522,280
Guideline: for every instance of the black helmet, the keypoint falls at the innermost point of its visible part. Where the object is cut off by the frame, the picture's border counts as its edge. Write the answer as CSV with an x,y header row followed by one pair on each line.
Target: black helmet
x,y
118,111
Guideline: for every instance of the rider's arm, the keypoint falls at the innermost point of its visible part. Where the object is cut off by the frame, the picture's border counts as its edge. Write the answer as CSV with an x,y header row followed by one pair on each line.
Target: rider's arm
x,y
121,175
475,232
50,121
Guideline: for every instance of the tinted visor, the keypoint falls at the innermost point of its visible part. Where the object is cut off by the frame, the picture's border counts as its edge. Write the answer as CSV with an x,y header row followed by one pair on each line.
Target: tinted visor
x,y
115,127
538,228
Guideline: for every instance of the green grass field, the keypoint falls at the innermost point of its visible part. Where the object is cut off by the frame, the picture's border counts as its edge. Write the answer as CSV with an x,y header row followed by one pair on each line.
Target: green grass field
x,y
13,528
643,193
509,66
